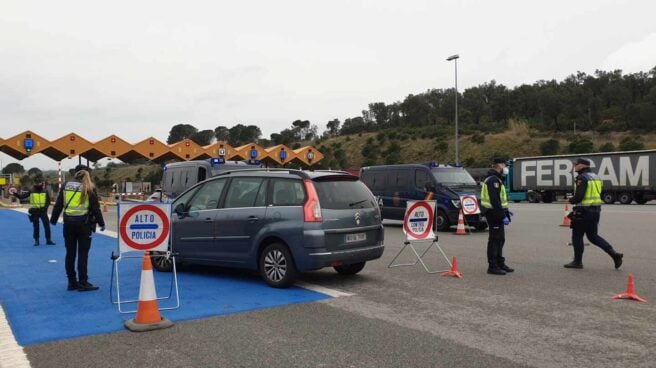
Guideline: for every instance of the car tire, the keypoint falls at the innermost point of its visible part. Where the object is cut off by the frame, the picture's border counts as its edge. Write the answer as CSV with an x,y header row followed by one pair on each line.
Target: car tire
x,y
547,197
442,221
641,201
608,198
350,269
277,266
625,198
161,262
481,226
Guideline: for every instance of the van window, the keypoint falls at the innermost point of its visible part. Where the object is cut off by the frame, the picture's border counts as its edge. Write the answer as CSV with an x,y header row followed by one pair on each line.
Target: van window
x,y
202,174
421,179
399,180
378,182
288,193
243,192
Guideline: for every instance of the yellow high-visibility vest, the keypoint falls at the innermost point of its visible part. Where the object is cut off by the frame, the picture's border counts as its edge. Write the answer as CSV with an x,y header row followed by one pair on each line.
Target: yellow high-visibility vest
x,y
485,195
37,200
592,191
74,199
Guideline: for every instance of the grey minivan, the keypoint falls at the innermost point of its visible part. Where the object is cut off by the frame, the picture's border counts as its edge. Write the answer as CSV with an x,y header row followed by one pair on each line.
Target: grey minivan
x,y
278,222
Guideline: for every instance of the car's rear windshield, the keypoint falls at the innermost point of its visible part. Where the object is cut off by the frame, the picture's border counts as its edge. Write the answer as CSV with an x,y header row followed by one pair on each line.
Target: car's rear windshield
x,y
343,194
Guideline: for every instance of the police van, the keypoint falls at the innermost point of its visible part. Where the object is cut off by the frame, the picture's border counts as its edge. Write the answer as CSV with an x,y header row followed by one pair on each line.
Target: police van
x,y
180,176
395,185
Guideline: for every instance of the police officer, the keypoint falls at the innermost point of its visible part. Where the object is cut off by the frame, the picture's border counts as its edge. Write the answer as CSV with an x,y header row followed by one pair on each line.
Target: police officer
x,y
39,203
586,213
495,208
79,202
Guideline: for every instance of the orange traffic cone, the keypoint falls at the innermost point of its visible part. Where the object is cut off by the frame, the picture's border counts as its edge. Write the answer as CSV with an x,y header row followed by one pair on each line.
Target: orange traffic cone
x,y
460,230
630,292
148,317
454,269
566,219
429,196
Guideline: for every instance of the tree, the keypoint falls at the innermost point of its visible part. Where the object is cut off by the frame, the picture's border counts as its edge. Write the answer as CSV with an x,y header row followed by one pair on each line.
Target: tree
x,y
203,137
581,146
607,147
550,147
241,134
221,133
180,132
630,144
34,172
333,127
13,168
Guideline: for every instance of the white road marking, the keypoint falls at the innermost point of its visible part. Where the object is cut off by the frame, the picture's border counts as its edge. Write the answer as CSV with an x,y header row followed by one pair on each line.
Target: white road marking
x,y
11,354
323,290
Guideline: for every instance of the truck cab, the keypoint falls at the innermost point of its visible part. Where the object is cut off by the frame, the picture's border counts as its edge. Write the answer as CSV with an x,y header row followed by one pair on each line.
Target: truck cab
x,y
395,185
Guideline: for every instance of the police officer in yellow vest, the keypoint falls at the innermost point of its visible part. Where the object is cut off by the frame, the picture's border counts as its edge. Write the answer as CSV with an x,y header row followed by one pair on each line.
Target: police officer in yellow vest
x,y
494,204
79,202
39,203
585,215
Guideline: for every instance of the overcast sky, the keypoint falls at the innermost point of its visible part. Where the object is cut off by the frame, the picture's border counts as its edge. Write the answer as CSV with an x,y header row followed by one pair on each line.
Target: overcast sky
x,y
136,68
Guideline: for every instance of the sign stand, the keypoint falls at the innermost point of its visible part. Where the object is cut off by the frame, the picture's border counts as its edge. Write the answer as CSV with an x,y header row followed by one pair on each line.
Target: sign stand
x,y
143,227
418,227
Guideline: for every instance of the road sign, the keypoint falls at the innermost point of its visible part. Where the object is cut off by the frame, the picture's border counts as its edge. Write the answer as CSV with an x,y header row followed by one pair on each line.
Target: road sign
x,y
143,227
418,221
469,204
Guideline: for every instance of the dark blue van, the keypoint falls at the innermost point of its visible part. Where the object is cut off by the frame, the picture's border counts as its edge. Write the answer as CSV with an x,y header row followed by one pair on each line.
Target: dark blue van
x,y
397,184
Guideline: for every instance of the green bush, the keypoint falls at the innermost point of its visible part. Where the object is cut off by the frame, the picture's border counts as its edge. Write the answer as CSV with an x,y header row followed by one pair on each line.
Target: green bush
x,y
630,144
550,147
607,147
478,138
581,146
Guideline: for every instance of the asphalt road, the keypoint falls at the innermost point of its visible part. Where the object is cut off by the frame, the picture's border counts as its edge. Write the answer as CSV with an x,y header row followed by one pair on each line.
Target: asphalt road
x,y
541,316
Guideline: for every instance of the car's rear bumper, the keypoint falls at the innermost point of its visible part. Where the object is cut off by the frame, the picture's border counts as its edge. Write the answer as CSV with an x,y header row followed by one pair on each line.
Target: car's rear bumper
x,y
347,256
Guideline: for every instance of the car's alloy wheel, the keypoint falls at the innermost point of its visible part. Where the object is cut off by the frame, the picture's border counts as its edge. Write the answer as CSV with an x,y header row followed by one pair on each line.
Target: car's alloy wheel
x,y
277,266
162,263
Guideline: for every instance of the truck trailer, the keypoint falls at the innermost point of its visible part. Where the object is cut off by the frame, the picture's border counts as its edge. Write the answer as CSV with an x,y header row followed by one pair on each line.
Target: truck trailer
x,y
627,176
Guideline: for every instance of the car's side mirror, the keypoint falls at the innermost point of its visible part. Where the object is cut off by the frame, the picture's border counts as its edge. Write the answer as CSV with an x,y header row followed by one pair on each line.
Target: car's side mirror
x,y
180,210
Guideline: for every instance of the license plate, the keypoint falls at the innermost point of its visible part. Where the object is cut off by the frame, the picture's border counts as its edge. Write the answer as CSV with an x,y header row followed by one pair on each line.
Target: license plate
x,y
353,238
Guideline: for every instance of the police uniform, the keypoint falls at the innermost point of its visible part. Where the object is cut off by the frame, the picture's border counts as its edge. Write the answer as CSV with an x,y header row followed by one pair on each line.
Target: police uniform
x,y
585,216
39,203
80,219
494,202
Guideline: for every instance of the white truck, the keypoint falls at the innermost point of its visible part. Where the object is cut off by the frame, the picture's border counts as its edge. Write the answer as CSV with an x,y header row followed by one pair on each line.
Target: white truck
x,y
627,176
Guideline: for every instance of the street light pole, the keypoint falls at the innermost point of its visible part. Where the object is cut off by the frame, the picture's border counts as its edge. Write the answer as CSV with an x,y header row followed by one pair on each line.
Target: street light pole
x,y
455,60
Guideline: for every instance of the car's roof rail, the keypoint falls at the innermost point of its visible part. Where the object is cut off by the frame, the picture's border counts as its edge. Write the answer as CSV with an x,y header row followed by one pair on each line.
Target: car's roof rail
x,y
334,171
299,173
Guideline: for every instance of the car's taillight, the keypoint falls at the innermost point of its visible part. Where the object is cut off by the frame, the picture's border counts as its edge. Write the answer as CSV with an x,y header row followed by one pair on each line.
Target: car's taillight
x,y
312,208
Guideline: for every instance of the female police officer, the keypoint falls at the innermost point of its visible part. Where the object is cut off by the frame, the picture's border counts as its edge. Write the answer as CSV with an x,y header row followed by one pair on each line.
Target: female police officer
x,y
82,212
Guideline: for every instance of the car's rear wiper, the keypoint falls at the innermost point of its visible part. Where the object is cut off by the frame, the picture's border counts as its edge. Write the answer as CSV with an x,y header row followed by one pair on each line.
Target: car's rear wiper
x,y
357,203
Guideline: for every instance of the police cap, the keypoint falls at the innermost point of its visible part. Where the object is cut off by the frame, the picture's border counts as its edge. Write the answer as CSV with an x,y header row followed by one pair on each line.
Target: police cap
x,y
583,161
500,160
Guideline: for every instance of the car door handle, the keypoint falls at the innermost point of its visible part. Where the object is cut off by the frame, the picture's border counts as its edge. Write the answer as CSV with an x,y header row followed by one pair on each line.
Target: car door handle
x,y
253,219
209,220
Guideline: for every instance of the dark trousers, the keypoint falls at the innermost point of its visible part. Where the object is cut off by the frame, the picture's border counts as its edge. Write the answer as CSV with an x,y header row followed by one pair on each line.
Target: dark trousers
x,y
43,215
588,224
77,237
496,238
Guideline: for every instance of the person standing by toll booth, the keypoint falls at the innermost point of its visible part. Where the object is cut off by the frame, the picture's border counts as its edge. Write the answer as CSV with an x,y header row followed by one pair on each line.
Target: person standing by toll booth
x,y
586,214
79,202
39,203
494,203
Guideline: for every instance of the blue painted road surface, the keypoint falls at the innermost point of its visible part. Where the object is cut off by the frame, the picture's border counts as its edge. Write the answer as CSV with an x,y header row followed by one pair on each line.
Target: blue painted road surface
x,y
39,309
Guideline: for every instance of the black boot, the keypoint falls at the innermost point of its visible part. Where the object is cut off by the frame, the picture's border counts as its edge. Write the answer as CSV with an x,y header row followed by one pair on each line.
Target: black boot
x,y
86,286
617,258
36,242
50,242
72,285
574,264
505,267
493,269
